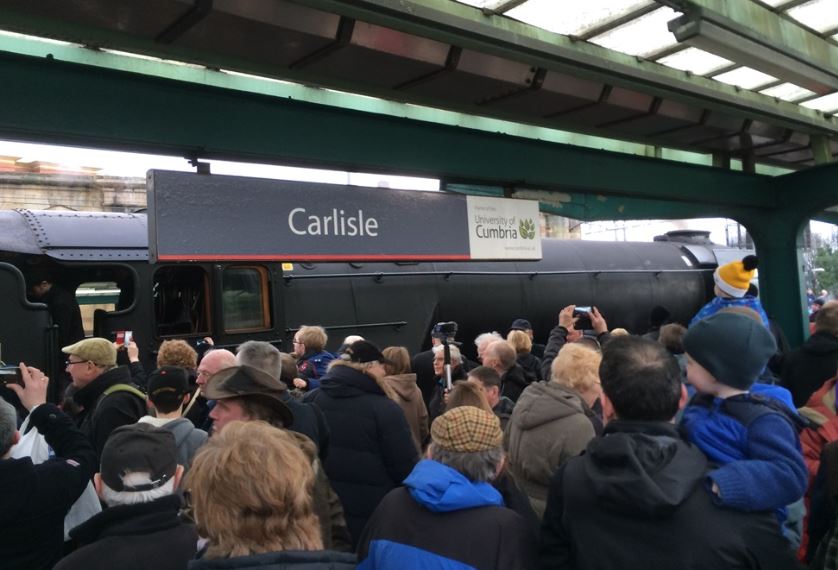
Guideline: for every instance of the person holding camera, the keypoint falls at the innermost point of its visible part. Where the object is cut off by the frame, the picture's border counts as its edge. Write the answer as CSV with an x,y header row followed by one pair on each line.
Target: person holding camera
x,y
36,498
570,329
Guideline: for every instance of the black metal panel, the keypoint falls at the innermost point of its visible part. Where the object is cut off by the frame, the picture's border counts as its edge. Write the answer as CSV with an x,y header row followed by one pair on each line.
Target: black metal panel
x,y
669,115
558,93
89,235
477,77
273,33
25,327
382,56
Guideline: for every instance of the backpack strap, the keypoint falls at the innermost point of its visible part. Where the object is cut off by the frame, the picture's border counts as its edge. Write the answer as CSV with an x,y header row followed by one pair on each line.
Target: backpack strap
x,y
124,388
746,408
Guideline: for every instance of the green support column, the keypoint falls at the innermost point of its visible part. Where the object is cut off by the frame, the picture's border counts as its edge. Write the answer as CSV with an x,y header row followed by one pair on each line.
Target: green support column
x,y
777,238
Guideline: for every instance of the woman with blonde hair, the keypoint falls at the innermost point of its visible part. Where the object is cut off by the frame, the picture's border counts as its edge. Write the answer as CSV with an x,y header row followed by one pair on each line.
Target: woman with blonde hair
x,y
406,393
553,421
522,343
251,521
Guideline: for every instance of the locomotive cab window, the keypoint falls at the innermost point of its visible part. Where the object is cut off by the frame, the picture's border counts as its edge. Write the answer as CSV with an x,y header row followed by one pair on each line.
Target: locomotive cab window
x,y
181,301
245,299
96,296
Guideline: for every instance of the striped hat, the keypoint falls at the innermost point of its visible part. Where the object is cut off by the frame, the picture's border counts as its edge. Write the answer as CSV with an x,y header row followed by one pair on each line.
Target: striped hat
x,y
734,278
467,429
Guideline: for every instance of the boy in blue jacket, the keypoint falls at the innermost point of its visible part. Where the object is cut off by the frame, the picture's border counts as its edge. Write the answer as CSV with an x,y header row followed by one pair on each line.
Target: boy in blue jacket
x,y
752,437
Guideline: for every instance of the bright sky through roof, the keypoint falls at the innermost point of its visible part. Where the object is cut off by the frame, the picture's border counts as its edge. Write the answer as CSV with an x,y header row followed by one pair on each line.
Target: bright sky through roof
x,y
116,163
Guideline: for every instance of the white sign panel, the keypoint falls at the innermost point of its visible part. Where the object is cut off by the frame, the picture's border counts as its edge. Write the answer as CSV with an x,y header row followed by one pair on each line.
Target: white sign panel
x,y
500,228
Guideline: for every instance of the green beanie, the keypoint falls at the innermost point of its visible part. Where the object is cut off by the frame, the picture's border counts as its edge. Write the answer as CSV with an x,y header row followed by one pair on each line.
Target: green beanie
x,y
733,348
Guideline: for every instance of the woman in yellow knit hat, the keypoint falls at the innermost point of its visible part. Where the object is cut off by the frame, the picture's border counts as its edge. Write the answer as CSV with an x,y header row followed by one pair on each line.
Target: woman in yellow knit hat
x,y
733,281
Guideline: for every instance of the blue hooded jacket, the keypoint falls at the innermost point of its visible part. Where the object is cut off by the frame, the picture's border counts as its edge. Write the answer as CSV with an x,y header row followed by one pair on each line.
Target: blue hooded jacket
x,y
439,489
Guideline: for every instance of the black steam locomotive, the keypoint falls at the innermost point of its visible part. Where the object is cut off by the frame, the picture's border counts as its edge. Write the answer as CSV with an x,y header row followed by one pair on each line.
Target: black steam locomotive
x,y
103,259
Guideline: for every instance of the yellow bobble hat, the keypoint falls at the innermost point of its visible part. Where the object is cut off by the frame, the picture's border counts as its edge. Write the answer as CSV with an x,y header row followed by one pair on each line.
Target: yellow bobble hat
x,y
734,278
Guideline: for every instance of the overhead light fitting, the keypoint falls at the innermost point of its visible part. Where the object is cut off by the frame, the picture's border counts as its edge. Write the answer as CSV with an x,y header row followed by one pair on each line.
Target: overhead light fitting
x,y
733,41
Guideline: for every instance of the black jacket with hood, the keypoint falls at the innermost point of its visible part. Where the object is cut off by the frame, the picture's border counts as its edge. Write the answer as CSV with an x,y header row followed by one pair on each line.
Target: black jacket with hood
x,y
371,450
807,367
637,498
36,498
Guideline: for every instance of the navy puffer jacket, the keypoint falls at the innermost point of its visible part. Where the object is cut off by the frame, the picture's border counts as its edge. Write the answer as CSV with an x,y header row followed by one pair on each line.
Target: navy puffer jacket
x,y
370,450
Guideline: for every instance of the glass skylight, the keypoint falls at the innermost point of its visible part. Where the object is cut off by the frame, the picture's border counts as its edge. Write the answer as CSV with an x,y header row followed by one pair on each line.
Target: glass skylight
x,y
774,3
745,77
479,3
820,15
643,36
573,18
827,103
788,92
695,61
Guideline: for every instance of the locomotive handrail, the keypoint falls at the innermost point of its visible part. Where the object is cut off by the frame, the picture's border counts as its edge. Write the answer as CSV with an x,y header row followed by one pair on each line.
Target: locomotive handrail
x,y
531,274
397,324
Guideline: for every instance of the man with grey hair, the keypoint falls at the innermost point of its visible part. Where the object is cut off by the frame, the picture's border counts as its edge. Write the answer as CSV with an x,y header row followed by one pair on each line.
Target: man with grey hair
x,y
140,528
440,393
500,356
448,510
483,341
308,419
36,498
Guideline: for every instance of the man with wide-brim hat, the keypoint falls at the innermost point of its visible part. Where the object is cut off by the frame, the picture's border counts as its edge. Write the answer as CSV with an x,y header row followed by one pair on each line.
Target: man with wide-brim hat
x,y
246,393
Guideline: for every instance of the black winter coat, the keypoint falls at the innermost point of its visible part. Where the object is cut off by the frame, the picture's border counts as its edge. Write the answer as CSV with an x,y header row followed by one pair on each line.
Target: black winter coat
x,y
371,450
134,537
514,381
637,499
531,364
36,498
423,366
103,414
310,422
289,560
807,367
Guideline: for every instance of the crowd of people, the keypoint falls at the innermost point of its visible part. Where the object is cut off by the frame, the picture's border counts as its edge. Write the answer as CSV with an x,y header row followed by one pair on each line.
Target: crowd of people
x,y
695,445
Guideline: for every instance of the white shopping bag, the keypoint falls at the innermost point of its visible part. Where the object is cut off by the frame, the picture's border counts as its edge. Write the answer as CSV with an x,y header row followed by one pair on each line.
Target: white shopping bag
x,y
32,444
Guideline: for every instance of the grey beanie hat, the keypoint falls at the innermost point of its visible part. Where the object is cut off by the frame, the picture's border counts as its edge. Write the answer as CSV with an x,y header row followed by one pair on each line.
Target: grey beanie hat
x,y
733,348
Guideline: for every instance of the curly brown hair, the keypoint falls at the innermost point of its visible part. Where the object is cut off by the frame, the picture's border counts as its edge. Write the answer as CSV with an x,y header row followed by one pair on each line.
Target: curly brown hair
x,y
177,353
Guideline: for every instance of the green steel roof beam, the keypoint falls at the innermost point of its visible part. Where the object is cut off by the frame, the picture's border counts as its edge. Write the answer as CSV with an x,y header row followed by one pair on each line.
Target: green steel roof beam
x,y
469,27
47,100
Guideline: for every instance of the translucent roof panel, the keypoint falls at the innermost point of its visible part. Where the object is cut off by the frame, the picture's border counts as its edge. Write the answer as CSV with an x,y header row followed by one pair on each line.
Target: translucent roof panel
x,y
820,15
788,92
479,3
643,36
774,3
695,61
573,18
745,77
827,103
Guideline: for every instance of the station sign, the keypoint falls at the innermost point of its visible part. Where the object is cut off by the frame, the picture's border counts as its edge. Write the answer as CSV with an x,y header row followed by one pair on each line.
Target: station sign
x,y
210,217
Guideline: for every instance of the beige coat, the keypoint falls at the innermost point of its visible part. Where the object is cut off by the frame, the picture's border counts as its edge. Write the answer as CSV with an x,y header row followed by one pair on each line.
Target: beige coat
x,y
409,398
549,425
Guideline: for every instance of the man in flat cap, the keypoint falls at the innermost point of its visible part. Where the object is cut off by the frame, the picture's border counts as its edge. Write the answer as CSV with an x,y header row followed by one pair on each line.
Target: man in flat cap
x,y
448,512
105,391
140,527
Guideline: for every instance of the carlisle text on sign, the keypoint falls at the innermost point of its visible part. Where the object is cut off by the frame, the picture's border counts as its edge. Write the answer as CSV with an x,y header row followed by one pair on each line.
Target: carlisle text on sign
x,y
215,218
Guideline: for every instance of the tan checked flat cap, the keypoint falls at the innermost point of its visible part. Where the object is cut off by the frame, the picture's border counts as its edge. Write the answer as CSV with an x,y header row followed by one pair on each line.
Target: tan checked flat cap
x,y
467,429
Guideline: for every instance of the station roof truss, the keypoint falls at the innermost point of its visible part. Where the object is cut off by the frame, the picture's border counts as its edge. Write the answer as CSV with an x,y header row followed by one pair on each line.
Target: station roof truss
x,y
750,79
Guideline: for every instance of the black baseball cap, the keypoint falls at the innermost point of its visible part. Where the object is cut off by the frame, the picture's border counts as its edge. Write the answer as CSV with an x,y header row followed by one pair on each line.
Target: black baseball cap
x,y
364,351
520,325
249,382
138,448
172,380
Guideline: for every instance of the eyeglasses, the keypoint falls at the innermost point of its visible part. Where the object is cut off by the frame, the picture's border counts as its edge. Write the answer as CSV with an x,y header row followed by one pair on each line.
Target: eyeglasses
x,y
71,362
